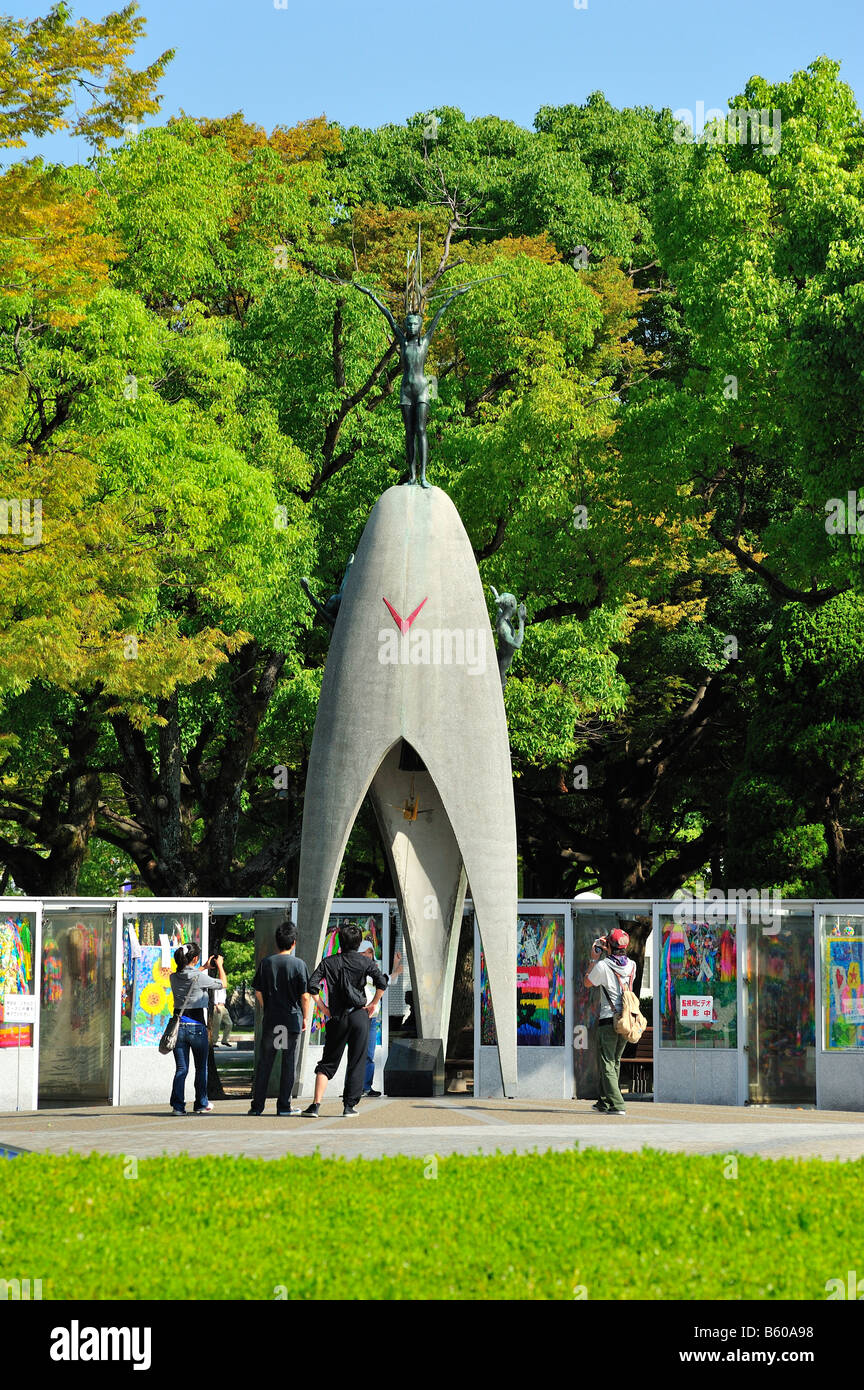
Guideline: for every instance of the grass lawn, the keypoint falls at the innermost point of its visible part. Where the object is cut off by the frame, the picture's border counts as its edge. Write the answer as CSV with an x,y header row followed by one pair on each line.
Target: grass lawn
x,y
527,1226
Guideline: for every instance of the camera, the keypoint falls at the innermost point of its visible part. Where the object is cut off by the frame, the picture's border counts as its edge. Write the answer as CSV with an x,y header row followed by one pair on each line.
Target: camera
x,y
600,946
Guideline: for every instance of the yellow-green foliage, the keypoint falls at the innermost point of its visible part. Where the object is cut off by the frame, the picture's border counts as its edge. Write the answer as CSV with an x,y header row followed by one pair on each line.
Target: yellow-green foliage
x,y
520,1226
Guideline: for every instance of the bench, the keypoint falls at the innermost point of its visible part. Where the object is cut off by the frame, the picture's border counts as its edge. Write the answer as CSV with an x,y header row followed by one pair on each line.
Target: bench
x,y
638,1058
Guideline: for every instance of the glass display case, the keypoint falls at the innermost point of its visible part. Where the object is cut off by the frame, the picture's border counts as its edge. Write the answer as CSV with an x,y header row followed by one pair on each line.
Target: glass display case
x,y
77,1003
698,979
399,997
589,923
17,967
781,999
150,932
842,949
543,953
745,1008
540,993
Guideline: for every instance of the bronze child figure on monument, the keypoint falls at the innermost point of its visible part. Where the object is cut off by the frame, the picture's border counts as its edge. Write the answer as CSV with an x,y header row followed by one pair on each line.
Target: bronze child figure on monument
x,y
413,350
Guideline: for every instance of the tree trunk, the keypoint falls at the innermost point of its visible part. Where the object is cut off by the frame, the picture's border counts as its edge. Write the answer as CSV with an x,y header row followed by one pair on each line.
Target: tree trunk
x,y
65,821
835,836
166,796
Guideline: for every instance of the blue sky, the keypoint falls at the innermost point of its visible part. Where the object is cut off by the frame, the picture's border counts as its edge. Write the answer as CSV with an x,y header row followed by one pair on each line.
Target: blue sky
x,y
366,62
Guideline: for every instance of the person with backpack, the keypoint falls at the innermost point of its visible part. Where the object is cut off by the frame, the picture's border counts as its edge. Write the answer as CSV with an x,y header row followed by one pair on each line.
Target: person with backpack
x,y
612,972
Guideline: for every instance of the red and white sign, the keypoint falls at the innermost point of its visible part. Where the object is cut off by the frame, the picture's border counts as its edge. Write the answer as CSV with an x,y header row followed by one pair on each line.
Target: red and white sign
x,y
696,1008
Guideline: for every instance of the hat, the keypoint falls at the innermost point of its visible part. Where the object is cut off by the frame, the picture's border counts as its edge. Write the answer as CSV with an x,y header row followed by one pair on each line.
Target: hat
x,y
366,945
619,939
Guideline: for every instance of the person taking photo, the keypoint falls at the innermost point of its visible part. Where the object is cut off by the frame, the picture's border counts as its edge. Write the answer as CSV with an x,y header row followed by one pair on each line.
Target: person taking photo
x,y
191,986
611,972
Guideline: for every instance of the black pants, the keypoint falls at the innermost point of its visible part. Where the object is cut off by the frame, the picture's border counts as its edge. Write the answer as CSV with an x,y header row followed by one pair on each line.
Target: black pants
x,y
275,1038
351,1030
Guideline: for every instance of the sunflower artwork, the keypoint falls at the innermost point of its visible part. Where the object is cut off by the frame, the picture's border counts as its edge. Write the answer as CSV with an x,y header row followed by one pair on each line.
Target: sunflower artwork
x,y
152,999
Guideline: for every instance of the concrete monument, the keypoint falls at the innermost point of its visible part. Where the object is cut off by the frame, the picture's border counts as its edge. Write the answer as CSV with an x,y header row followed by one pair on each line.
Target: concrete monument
x,y
412,713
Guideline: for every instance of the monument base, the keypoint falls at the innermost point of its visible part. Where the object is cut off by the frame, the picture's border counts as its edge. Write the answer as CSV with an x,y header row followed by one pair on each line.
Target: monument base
x,y
415,1067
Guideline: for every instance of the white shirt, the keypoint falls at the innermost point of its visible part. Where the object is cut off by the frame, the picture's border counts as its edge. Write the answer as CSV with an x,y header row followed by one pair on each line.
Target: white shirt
x,y
370,988
614,978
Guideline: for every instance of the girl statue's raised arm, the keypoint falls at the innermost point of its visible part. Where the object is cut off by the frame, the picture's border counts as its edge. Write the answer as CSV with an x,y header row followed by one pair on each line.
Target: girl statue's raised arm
x,y
384,310
446,305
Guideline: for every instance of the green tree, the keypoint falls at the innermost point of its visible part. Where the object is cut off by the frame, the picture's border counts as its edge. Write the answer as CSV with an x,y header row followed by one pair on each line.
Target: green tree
x,y
44,61
639,441
795,818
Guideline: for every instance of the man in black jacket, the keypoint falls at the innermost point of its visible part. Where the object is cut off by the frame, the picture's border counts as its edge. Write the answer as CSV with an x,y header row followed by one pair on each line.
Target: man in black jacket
x,y
347,1014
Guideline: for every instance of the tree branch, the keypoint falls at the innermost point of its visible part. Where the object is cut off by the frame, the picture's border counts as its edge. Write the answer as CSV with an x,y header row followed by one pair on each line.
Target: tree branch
x,y
811,598
496,542
338,358
331,434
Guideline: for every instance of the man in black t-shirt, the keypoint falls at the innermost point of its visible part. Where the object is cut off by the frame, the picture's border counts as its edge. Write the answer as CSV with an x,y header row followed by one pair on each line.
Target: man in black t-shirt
x,y
281,987
347,1013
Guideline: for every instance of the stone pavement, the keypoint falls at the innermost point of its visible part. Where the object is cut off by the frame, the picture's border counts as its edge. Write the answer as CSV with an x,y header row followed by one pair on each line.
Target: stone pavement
x,y
420,1127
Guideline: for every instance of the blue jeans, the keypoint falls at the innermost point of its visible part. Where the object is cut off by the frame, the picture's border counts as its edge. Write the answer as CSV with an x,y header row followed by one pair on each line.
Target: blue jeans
x,y
192,1037
370,1054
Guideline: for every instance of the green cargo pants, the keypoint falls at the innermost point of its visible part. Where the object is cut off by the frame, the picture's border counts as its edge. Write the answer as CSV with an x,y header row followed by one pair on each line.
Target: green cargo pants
x,y
610,1045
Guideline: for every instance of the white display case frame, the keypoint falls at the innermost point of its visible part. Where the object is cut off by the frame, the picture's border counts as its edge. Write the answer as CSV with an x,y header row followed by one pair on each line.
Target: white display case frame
x,y
709,1075
14,1078
544,1073
617,908
142,1074
839,1071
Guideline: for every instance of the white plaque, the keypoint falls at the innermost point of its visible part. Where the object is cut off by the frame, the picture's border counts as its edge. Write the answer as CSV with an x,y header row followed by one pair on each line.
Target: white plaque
x,y
19,1008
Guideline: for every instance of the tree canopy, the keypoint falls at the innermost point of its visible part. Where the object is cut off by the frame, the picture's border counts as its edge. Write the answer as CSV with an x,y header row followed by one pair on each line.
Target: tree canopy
x,y
641,419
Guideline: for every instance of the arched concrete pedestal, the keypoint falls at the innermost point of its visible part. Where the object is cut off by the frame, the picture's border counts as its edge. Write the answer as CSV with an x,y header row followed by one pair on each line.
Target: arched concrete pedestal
x,y
413,658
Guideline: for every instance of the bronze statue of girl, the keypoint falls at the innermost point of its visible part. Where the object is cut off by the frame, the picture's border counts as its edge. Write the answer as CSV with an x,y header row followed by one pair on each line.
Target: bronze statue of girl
x,y
414,393
413,351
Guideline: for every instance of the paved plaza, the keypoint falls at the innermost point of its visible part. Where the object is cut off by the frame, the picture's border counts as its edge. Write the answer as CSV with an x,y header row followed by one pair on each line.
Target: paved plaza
x,y
418,1127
